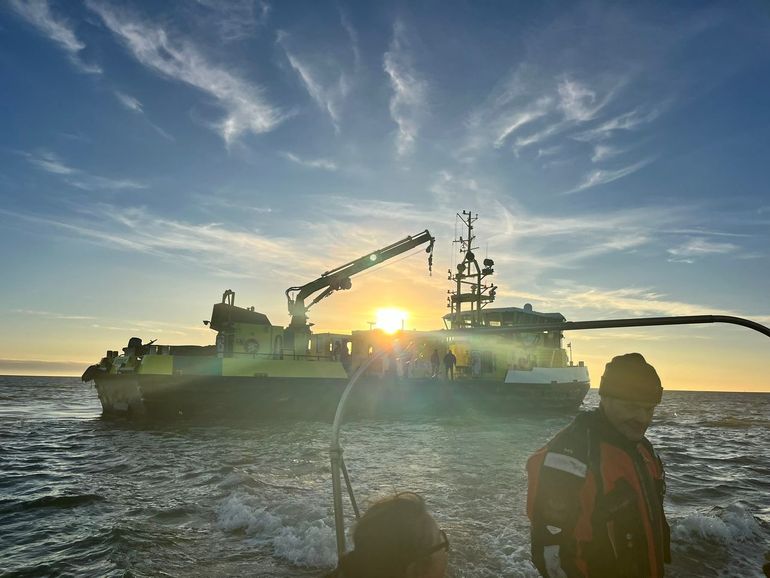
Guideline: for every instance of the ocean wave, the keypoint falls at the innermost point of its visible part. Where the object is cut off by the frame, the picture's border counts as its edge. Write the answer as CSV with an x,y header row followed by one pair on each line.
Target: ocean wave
x,y
71,501
730,422
727,542
314,545
308,543
236,479
196,500
722,525
235,514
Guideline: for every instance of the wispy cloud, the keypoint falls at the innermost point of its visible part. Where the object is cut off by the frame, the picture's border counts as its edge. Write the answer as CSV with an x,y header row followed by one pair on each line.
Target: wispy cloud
x,y
452,190
51,163
603,176
603,152
137,229
96,183
508,124
217,201
537,243
38,13
575,105
235,20
155,328
631,302
327,95
352,35
697,247
324,164
578,102
627,121
624,301
246,108
409,90
129,101
534,108
51,315
548,151
538,137
540,238
541,241
385,216
134,105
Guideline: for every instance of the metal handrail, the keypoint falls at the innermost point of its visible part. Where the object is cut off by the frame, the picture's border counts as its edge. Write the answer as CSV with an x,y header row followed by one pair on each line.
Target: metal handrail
x,y
335,450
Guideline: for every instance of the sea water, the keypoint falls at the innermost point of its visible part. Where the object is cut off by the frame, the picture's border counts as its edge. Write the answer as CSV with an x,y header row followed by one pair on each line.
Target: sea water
x,y
81,495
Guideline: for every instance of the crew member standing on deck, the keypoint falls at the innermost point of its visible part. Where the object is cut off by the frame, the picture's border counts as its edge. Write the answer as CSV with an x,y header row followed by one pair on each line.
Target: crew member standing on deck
x,y
449,365
434,363
595,499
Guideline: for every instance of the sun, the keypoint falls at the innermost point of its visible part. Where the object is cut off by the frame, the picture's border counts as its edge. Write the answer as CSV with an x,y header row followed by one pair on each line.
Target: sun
x,y
390,319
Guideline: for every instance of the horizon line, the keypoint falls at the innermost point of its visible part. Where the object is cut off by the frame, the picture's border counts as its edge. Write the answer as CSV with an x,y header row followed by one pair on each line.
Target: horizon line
x,y
592,388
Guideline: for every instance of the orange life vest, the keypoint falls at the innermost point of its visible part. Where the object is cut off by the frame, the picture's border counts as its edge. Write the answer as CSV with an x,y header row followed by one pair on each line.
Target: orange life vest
x,y
595,503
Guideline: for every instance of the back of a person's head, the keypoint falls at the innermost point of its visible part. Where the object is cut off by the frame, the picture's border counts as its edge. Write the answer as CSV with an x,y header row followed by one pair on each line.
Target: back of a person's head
x,y
393,534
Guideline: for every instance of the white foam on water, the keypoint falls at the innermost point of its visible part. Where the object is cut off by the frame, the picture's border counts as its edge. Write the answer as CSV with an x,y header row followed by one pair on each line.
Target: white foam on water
x,y
235,514
723,525
518,563
503,553
314,545
723,543
302,542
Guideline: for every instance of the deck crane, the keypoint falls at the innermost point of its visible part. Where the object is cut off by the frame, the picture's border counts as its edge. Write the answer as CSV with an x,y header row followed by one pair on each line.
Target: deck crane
x,y
339,278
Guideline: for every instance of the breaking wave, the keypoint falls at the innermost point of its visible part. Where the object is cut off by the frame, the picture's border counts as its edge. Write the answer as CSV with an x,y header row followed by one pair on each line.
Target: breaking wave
x,y
301,542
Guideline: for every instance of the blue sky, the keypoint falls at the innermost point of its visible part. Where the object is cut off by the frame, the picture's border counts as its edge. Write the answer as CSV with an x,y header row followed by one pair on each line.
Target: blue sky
x,y
154,154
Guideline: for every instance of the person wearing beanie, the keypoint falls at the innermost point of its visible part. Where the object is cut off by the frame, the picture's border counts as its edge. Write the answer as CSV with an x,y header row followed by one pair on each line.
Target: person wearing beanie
x,y
595,491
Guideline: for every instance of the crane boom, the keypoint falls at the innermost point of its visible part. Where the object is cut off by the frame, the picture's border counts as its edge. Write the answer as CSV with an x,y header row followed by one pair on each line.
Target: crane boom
x,y
339,278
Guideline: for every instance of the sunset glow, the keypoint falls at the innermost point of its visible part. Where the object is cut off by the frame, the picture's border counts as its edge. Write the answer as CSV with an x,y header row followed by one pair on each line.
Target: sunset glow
x,y
197,147
390,319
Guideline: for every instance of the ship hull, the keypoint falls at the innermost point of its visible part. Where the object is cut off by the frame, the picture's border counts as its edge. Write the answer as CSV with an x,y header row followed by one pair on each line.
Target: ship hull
x,y
317,398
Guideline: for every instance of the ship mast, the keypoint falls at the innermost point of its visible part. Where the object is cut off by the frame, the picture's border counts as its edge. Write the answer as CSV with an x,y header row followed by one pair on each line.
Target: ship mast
x,y
469,279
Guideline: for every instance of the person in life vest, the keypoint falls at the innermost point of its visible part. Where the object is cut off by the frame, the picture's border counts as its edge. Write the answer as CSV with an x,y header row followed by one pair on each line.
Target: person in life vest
x,y
595,491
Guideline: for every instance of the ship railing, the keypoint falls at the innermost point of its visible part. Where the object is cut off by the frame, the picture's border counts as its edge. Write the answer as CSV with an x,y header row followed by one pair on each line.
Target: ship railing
x,y
280,355
169,350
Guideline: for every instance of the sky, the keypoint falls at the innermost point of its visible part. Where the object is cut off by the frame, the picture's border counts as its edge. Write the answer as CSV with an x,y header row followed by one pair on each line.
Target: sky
x,y
155,154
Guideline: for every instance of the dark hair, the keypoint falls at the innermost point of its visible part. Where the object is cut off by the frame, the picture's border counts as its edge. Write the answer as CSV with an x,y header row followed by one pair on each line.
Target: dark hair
x,y
393,533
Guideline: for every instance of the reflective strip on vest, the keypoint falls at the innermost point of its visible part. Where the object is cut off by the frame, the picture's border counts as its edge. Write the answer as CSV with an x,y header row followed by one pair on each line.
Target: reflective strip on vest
x,y
553,562
565,464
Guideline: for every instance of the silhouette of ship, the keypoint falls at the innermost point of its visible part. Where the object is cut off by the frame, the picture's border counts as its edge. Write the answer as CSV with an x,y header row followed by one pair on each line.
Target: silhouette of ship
x,y
504,363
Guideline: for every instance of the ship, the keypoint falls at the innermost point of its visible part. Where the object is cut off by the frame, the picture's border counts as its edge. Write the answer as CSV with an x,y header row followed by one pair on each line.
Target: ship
x,y
484,360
